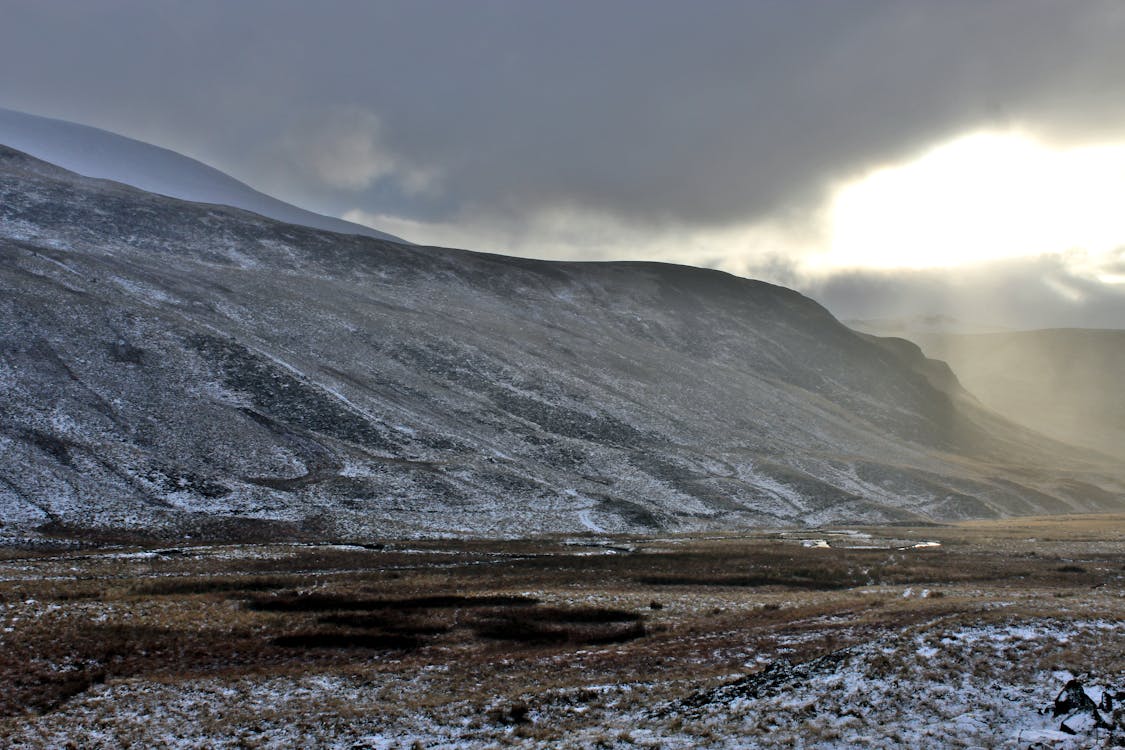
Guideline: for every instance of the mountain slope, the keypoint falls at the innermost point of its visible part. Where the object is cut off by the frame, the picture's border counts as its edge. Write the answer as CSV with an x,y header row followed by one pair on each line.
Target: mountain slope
x,y
179,368
101,154
1066,382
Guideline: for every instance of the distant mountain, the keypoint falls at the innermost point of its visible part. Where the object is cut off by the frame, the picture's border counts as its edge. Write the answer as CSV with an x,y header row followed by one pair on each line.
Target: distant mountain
x,y
918,325
177,368
1064,382
99,153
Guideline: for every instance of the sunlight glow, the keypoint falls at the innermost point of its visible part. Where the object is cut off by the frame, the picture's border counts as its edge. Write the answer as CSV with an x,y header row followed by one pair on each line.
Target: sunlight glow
x,y
981,197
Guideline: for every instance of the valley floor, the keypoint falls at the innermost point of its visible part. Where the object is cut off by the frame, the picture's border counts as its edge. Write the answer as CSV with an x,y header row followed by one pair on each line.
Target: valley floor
x,y
944,636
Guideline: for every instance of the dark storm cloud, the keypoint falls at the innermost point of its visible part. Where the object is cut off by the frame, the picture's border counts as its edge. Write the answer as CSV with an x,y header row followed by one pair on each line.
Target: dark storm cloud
x,y
674,113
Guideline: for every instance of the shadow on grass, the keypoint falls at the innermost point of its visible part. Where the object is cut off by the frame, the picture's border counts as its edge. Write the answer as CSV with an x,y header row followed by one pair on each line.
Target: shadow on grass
x,y
331,639
581,625
793,582
187,587
345,603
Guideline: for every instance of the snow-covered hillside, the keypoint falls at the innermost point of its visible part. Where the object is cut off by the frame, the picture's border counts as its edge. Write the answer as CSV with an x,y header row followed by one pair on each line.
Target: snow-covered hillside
x,y
99,153
187,368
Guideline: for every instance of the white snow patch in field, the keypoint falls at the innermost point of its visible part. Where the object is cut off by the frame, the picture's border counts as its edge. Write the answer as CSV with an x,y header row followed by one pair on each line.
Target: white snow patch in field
x,y
877,694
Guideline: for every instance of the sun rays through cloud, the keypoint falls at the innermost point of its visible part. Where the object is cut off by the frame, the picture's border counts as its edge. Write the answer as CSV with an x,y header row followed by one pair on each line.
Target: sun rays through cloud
x,y
981,197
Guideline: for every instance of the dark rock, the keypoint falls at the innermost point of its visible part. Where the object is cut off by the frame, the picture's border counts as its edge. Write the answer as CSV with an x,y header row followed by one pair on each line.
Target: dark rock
x,y
1073,698
1082,715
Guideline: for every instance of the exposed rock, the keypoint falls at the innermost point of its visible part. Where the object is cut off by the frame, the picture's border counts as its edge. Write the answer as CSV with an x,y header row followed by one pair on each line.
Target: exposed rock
x,y
1080,710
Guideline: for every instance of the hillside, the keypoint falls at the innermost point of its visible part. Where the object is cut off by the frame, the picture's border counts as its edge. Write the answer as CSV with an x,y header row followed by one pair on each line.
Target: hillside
x,y
179,368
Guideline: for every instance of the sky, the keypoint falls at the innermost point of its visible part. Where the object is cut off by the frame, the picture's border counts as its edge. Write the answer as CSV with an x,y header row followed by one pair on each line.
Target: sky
x,y
963,157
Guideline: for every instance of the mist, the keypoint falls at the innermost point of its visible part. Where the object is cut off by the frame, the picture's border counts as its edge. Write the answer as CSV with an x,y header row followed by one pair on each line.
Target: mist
x,y
1018,294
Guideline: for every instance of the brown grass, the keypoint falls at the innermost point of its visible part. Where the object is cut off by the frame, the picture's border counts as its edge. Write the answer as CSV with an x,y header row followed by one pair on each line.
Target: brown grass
x,y
523,617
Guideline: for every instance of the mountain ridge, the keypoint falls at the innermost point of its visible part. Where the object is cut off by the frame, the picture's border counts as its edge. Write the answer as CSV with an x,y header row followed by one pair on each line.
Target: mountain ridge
x,y
184,368
101,154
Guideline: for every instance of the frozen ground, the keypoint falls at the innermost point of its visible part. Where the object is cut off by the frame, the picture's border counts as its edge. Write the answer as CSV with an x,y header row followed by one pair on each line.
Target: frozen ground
x,y
675,642
935,687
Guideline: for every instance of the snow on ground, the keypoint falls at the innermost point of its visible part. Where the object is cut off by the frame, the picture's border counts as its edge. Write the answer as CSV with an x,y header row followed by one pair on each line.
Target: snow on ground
x,y
938,689
588,522
931,686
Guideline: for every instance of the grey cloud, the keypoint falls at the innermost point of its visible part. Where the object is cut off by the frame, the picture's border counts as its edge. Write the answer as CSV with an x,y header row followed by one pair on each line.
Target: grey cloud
x,y
1115,262
1027,293
663,112
344,149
